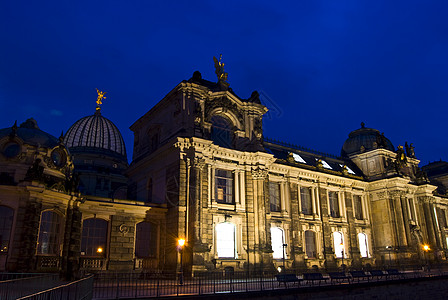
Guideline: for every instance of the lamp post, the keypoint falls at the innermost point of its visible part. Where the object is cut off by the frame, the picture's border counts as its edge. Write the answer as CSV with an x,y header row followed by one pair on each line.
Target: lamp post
x,y
389,249
284,247
342,252
426,249
181,243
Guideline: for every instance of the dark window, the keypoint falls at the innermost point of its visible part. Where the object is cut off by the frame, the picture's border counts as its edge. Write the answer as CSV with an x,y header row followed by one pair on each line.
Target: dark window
x,y
146,240
223,186
274,196
49,233
306,201
94,237
310,244
6,219
411,209
334,204
149,188
442,218
222,132
357,201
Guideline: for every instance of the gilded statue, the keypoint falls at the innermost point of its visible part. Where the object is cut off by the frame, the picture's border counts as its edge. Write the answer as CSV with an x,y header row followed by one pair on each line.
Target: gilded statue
x,y
99,98
219,69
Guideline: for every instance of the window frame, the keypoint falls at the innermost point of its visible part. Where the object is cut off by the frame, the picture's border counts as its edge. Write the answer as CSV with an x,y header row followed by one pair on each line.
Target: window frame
x,y
302,200
334,203
275,201
283,241
5,243
219,242
229,185
152,240
104,245
57,244
307,244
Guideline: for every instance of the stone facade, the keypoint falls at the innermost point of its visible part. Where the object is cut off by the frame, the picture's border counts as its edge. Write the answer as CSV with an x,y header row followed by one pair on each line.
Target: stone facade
x,y
202,171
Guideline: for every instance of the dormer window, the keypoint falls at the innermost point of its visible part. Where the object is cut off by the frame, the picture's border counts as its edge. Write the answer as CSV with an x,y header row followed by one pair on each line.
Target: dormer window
x,y
222,132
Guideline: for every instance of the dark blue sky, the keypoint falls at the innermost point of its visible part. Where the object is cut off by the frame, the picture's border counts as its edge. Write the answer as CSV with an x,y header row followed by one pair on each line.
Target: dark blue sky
x,y
323,67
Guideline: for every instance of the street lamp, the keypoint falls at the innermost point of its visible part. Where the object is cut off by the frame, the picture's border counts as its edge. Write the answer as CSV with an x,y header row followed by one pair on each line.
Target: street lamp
x,y
284,247
426,249
342,252
389,248
181,243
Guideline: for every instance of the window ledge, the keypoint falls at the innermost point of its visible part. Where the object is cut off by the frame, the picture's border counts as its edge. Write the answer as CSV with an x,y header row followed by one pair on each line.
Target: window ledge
x,y
226,206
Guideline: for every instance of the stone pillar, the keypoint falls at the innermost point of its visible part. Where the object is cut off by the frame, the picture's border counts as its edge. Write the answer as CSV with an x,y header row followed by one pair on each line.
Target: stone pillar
x,y
198,245
297,253
72,243
121,249
328,252
352,236
263,257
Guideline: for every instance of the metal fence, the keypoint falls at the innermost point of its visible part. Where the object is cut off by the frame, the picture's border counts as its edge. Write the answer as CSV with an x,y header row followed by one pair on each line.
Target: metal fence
x,y
76,290
146,285
20,285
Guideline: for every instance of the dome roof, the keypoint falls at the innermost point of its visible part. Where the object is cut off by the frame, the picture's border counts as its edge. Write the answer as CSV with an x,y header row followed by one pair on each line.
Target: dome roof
x,y
365,139
30,133
95,132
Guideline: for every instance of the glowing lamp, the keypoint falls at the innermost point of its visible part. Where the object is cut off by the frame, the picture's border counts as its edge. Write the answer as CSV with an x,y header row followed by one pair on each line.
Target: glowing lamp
x,y
426,248
99,250
181,242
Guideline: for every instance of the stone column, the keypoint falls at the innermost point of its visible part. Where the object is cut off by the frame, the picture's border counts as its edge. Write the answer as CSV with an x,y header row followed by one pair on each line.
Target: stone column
x,y
352,236
297,251
263,257
328,252
121,249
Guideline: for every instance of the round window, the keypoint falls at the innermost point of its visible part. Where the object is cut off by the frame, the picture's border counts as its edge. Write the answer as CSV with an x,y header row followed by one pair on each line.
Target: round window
x,y
11,149
58,158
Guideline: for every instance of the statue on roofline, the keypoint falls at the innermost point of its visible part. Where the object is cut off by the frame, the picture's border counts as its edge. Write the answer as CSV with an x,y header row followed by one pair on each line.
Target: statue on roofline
x,y
99,99
219,69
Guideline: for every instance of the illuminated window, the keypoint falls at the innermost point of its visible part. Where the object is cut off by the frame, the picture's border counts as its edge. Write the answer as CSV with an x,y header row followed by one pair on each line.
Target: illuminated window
x,y
222,132
6,219
145,240
277,241
49,241
223,186
225,240
363,247
338,242
94,237
357,202
442,218
274,196
325,164
350,171
334,204
298,158
306,201
310,244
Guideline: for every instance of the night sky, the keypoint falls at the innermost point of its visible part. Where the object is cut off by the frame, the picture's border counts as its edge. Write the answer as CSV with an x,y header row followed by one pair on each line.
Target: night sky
x,y
322,67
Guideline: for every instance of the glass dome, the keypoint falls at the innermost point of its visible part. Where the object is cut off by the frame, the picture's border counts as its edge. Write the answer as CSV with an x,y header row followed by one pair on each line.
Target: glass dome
x,y
365,139
97,132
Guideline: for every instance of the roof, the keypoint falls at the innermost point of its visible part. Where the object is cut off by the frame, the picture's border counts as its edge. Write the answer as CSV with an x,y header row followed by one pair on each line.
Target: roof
x,y
365,139
30,133
309,159
95,132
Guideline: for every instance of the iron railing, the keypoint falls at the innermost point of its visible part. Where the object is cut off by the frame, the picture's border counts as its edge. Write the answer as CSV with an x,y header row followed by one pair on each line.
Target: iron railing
x,y
19,287
77,290
147,285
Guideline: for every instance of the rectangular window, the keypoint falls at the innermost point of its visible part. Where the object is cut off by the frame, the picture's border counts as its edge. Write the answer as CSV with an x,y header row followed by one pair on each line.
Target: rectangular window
x,y
274,196
357,202
334,204
442,218
224,186
306,201
310,244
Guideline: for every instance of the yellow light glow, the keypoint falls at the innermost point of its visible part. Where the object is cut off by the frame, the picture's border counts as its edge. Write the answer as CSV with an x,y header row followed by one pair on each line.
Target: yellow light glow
x,y
279,269
426,248
99,250
181,242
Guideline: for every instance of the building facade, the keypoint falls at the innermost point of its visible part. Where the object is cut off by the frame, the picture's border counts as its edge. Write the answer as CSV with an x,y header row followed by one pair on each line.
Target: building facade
x,y
202,171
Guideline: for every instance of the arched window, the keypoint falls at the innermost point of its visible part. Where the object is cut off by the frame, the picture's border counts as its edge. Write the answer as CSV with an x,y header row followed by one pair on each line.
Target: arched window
x,y
49,241
222,132
225,240
6,219
94,237
310,244
145,240
277,240
338,240
363,246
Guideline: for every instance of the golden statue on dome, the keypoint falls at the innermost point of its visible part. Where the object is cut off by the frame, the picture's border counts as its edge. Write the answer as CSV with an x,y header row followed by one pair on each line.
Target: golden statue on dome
x,y
99,99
